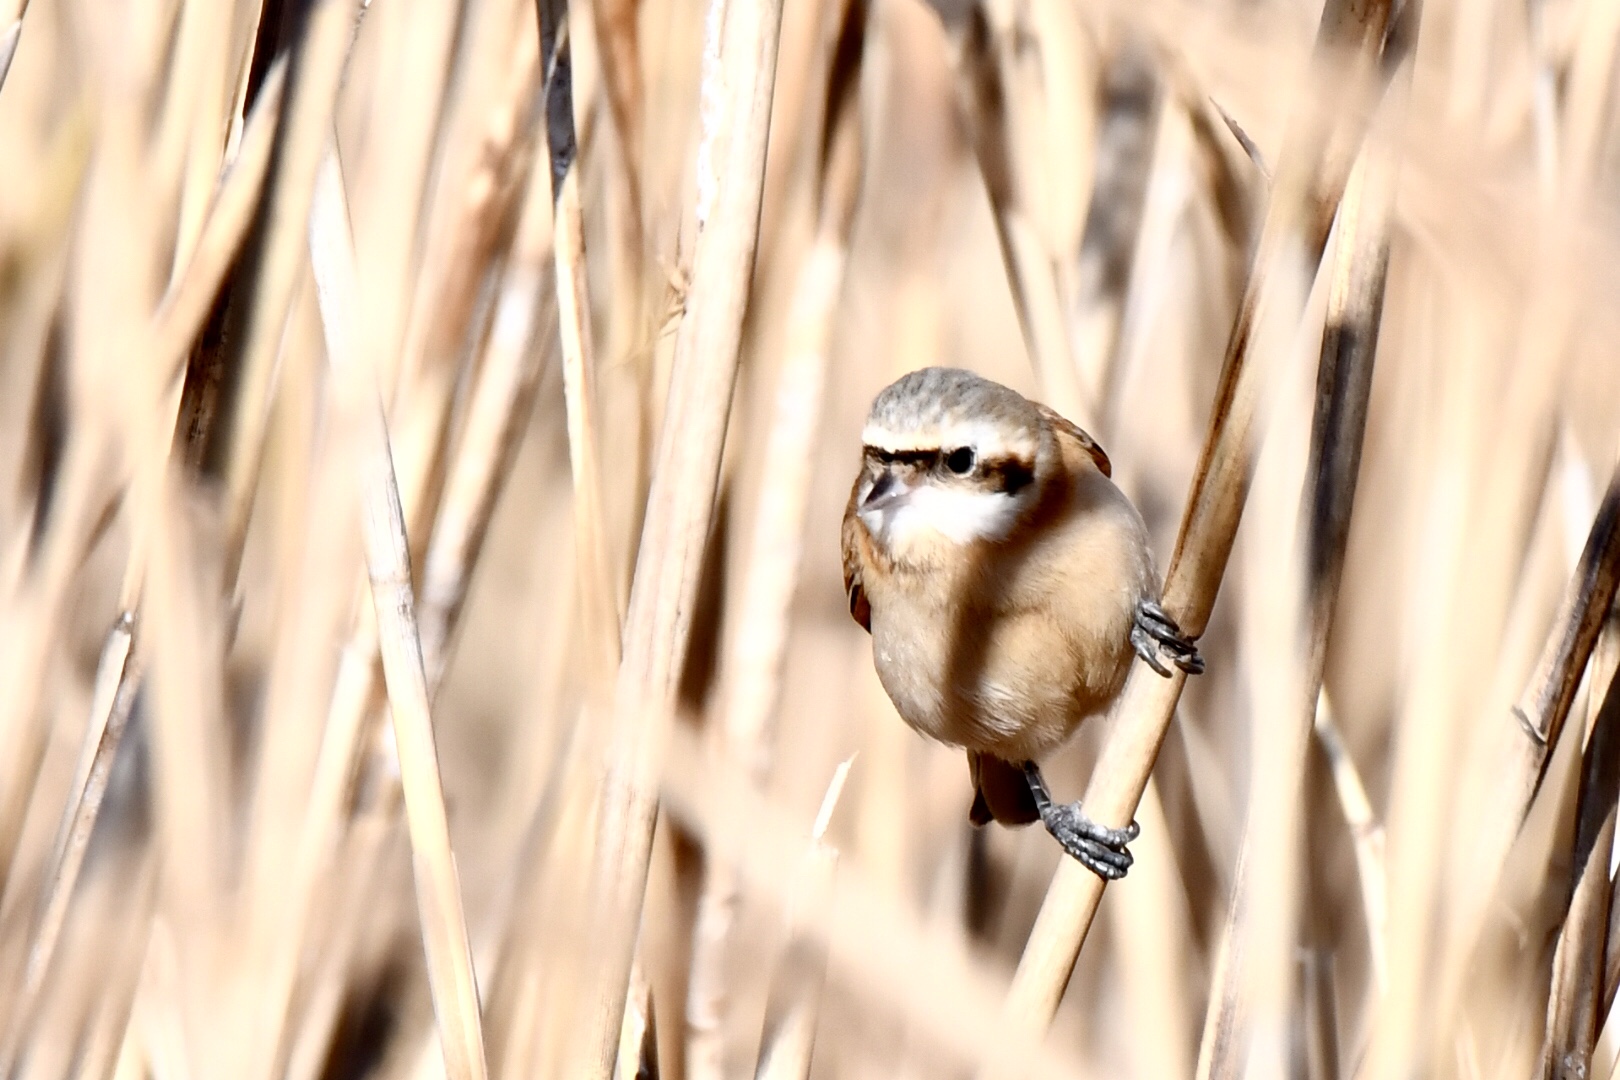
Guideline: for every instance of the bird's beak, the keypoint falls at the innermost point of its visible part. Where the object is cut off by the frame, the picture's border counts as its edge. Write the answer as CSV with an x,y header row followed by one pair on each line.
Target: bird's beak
x,y
888,491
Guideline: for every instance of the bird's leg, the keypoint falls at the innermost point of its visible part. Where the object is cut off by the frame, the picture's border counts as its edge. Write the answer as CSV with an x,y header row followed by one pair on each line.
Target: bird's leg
x,y
1098,848
1155,633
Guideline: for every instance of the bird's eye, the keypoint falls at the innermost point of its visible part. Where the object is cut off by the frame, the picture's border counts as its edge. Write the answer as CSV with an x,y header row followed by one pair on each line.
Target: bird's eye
x,y
960,460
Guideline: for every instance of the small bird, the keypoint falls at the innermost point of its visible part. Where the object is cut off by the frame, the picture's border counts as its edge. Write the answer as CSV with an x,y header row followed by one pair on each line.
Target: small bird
x,y
1006,583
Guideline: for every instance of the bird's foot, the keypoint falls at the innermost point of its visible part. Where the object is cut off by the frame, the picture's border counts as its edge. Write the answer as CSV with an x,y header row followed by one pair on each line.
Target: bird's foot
x,y
1155,634
1098,848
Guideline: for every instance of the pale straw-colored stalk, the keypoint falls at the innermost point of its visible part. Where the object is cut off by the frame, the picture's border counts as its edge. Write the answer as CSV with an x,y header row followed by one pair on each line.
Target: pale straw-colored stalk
x,y
438,891
757,641
1248,1019
1310,179
679,511
794,1004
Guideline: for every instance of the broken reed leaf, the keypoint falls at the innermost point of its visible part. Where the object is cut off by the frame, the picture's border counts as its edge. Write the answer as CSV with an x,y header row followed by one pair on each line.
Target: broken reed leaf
x,y
179,320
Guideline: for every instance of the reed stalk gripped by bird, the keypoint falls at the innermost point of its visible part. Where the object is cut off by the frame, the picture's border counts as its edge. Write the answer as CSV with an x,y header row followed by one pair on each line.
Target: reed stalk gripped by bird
x,y
1006,583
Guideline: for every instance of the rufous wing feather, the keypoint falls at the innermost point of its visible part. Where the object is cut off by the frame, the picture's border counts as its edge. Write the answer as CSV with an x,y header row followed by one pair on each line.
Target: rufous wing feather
x,y
1068,429
852,539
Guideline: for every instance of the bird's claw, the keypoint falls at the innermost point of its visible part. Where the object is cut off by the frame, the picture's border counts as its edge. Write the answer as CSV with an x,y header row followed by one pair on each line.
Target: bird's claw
x,y
1155,634
1098,848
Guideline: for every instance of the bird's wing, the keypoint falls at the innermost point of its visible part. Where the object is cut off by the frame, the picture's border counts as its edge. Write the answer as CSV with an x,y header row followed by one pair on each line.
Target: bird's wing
x,y
860,609
1067,428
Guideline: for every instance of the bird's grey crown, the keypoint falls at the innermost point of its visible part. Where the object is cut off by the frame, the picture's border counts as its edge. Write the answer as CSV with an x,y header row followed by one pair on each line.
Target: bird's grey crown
x,y
936,398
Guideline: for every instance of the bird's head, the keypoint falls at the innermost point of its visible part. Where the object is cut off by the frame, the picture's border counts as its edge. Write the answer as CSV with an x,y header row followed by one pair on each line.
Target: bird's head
x,y
949,458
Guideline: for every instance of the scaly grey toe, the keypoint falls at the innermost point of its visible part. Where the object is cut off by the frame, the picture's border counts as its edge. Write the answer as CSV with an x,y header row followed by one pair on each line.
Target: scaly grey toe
x,y
1099,849
1155,633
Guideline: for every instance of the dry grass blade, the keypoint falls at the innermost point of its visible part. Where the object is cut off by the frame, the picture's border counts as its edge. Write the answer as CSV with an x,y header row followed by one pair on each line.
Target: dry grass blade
x,y
175,325
795,997
179,320
525,317
111,704
1365,832
597,569
757,643
1546,702
1131,100
9,39
301,139
1311,177
1256,969
1002,94
1574,1007
438,892
617,39
679,510
881,949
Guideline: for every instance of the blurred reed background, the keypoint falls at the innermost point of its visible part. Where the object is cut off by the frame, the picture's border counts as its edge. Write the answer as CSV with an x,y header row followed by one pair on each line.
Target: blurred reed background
x,y
424,428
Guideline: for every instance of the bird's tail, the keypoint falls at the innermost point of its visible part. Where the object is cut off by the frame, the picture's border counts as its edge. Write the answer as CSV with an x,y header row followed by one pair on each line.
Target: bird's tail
x,y
1000,792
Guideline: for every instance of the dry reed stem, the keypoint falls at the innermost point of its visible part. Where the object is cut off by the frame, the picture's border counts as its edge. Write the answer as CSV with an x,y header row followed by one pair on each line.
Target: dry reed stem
x,y
1248,1012
794,1003
523,322
438,893
1311,175
111,703
757,637
114,283
1132,100
1000,75
597,569
1544,706
638,1036
1366,834
312,96
175,324
887,952
423,415
679,512
186,305
419,384
476,213
1574,1006
397,170
9,39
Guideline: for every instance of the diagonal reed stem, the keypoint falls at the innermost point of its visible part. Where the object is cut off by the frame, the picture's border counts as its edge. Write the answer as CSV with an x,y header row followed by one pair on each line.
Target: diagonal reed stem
x,y
1311,176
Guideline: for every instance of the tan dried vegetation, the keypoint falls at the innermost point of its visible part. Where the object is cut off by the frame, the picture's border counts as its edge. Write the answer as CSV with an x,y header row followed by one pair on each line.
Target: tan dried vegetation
x,y
423,430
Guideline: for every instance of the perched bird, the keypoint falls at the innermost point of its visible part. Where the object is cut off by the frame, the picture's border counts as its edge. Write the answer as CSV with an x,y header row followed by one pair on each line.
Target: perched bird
x,y
1006,583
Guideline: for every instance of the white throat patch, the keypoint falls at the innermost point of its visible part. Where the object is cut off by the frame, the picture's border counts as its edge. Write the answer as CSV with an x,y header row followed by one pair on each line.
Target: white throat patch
x,y
957,514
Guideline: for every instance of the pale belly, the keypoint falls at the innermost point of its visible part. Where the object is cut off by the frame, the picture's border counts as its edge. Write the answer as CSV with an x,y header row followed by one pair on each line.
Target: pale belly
x,y
1011,660
1014,686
